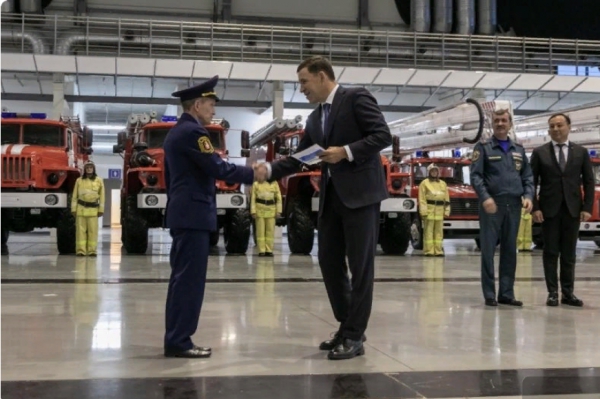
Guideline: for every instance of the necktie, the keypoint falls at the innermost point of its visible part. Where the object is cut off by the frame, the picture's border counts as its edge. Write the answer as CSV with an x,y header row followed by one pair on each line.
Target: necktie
x,y
561,157
325,109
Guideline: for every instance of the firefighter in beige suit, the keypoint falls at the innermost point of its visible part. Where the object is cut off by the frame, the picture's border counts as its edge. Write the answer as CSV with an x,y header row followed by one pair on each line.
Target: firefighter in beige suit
x,y
524,237
87,205
265,205
434,205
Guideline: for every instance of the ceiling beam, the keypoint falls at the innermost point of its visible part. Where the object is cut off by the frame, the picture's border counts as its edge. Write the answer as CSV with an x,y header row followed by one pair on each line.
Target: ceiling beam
x,y
222,103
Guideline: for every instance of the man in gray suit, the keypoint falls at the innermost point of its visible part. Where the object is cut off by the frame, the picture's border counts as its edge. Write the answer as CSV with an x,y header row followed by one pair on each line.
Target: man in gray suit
x,y
349,125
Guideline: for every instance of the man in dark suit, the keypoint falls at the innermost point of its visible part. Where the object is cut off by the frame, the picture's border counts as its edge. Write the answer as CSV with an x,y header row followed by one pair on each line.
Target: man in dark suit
x,y
560,168
350,126
191,167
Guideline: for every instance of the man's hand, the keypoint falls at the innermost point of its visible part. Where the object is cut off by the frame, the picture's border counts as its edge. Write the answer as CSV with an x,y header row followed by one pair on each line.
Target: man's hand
x,y
333,154
489,205
584,216
528,205
538,216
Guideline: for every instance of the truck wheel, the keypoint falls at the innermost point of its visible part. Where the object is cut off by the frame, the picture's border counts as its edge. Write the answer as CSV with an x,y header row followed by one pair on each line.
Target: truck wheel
x,y
300,228
597,243
134,229
236,232
538,240
416,233
65,231
5,234
214,238
395,234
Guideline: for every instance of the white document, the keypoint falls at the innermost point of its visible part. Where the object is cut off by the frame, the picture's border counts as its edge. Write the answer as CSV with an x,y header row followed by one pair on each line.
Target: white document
x,y
310,156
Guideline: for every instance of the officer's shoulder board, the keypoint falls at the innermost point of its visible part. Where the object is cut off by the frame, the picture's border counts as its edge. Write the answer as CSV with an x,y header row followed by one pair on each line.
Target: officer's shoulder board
x,y
205,145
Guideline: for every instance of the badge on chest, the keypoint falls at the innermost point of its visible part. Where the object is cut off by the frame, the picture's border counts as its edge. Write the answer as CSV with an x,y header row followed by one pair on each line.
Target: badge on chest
x,y
518,160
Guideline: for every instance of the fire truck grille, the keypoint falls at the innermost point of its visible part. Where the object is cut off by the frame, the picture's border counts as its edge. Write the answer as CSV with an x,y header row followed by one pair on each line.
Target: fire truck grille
x,y
464,206
16,169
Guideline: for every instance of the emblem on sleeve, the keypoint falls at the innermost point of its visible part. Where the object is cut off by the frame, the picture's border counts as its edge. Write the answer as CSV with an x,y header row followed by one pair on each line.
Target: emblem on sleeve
x,y
205,145
475,155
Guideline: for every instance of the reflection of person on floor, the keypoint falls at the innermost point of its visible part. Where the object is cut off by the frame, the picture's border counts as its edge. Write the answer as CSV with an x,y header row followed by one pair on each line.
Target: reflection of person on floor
x,y
87,204
266,307
85,302
434,205
265,205
524,235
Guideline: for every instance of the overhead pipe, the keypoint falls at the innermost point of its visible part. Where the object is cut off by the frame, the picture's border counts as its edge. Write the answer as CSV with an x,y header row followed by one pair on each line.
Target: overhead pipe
x,y
442,16
420,15
465,17
487,17
16,36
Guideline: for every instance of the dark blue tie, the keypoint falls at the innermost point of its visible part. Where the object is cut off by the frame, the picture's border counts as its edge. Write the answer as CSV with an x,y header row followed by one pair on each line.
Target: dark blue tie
x,y
325,109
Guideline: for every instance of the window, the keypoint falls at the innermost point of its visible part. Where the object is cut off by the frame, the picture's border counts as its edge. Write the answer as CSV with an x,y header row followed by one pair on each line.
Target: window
x,y
215,139
44,135
10,133
156,137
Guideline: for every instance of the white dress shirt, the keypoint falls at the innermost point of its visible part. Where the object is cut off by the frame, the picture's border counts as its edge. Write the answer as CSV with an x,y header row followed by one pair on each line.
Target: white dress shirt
x,y
565,150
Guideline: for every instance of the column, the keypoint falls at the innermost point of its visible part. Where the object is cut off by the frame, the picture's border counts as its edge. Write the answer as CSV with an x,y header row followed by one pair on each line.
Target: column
x,y
278,101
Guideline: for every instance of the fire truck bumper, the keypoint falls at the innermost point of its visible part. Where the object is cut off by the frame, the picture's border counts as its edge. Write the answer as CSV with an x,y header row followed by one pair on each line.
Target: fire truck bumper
x,y
387,205
589,231
152,201
230,201
461,229
34,200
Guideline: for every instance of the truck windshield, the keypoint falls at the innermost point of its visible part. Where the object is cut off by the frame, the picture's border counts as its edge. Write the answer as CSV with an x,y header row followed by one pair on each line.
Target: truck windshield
x,y
44,135
451,173
156,137
10,134
215,139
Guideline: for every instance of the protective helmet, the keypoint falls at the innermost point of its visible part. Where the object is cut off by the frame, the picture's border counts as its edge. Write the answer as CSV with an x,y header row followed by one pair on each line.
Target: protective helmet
x,y
89,163
431,167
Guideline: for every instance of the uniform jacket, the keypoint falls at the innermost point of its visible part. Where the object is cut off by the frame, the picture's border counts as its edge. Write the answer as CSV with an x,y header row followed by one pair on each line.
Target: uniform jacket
x,y
434,190
354,120
88,190
495,173
265,192
191,168
556,186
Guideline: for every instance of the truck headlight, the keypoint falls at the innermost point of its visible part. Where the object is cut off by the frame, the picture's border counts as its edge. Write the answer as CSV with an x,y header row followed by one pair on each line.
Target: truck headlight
x,y
152,200
152,180
51,199
52,178
237,200
407,204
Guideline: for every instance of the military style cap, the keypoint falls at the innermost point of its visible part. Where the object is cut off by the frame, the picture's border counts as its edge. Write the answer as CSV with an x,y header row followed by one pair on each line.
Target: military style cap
x,y
206,89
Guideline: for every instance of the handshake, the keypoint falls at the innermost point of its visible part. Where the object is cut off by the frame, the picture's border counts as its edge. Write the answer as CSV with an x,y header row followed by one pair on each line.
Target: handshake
x,y
261,172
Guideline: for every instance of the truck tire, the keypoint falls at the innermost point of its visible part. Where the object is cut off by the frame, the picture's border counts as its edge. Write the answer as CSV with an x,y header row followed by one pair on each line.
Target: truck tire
x,y
597,243
395,234
416,233
214,238
134,229
236,232
66,231
300,227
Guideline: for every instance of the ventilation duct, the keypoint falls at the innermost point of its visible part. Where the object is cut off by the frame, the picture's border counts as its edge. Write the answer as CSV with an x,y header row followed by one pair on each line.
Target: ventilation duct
x,y
487,17
13,37
465,17
30,6
420,15
442,16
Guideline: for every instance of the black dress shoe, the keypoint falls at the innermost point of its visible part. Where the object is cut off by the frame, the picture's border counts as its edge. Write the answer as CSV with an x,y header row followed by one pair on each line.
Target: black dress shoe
x,y
330,344
510,301
347,350
571,300
195,352
552,299
491,302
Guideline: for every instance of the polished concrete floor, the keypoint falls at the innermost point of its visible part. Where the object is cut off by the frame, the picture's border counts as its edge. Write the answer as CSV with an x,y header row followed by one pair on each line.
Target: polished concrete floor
x,y
93,327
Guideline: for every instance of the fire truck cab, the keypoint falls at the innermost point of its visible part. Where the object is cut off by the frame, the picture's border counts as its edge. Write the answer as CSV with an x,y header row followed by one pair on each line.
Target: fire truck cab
x,y
41,161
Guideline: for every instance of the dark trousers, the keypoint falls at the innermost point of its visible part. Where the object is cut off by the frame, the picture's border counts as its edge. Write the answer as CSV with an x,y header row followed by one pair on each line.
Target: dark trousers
x,y
560,235
189,259
503,225
352,233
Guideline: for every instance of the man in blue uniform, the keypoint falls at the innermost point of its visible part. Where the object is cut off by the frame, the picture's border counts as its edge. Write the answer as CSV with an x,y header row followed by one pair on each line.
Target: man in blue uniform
x,y
501,175
191,167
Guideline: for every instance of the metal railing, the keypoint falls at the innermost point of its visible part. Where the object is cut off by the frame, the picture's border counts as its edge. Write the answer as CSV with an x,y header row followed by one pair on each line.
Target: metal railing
x,y
54,34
